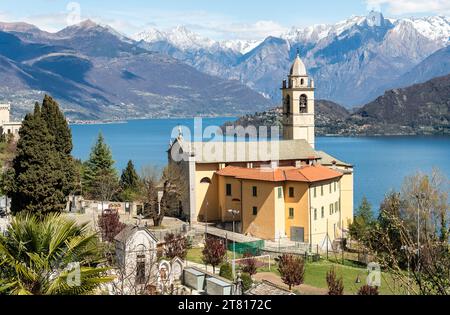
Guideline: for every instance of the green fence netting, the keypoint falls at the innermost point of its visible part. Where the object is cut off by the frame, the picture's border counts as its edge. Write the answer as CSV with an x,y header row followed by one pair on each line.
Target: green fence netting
x,y
247,247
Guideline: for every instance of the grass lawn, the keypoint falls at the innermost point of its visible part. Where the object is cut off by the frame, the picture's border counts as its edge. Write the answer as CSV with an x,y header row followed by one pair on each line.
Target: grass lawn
x,y
315,275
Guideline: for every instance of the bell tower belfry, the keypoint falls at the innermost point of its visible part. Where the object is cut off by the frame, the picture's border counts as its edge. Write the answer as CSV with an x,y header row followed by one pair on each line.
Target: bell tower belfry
x,y
298,104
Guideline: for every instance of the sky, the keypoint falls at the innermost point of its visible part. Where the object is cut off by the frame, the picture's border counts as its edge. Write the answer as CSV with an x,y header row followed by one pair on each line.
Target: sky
x,y
216,19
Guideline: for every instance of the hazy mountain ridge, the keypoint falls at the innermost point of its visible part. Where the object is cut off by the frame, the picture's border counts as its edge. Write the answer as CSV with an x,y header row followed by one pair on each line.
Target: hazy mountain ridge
x,y
421,109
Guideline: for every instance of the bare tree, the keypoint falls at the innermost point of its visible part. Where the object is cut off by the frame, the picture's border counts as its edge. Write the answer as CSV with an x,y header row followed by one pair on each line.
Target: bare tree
x,y
173,187
175,246
105,186
410,239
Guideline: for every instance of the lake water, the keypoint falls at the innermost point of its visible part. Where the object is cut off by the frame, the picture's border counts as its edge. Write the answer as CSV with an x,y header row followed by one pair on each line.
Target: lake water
x,y
380,163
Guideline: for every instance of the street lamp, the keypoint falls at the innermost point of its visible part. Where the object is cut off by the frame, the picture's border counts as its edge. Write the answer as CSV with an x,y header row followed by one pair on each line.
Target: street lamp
x,y
234,213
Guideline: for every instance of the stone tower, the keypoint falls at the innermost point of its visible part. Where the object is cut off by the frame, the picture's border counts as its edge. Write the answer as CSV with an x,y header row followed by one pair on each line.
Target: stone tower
x,y
298,104
4,113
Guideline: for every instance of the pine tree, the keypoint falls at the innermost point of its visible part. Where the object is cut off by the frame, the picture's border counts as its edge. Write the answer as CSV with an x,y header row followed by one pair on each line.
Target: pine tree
x,y
100,164
38,175
363,220
59,128
129,180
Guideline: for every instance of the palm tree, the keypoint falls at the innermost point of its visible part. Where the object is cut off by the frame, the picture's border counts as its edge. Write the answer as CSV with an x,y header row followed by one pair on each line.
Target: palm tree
x,y
49,256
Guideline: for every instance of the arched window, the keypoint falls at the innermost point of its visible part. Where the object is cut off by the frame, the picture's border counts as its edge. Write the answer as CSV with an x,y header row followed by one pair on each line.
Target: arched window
x,y
303,103
287,104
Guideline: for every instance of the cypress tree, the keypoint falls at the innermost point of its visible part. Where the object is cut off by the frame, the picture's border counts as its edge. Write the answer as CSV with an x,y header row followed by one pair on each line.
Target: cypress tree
x,y
38,176
57,125
100,163
59,128
129,180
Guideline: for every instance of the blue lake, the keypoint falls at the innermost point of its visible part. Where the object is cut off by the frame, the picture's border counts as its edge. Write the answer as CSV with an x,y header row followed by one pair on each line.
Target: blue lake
x,y
381,163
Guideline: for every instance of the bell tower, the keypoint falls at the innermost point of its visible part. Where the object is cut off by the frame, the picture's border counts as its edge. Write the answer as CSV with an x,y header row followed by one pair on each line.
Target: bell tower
x,y
298,104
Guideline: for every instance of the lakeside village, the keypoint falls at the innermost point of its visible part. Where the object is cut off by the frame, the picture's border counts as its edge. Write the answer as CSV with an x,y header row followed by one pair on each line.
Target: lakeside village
x,y
273,217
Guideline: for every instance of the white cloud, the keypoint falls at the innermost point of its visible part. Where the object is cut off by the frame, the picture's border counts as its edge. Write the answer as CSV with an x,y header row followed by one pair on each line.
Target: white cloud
x,y
213,25
401,7
256,30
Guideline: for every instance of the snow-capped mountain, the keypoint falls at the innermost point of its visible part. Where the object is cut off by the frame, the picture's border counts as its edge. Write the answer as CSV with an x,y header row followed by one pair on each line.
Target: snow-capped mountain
x,y
353,61
179,36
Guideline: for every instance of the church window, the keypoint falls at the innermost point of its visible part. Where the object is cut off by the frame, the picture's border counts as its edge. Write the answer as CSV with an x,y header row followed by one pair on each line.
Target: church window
x,y
303,103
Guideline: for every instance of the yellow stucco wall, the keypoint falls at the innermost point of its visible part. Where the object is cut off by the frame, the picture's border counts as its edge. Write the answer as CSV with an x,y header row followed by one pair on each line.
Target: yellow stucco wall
x,y
263,225
226,202
300,204
207,193
272,219
347,199
320,224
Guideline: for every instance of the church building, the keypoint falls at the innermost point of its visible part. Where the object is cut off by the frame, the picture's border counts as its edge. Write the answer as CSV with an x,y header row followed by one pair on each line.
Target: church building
x,y
293,191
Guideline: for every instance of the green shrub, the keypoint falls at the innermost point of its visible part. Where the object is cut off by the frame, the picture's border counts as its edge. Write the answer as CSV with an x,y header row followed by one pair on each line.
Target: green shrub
x,y
246,281
226,271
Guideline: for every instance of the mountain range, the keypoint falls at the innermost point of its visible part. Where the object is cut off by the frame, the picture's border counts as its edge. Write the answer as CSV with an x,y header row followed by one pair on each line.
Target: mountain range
x,y
352,62
98,73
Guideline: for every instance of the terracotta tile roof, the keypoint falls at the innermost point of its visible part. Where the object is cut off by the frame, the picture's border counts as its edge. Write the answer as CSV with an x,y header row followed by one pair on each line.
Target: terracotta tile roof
x,y
308,174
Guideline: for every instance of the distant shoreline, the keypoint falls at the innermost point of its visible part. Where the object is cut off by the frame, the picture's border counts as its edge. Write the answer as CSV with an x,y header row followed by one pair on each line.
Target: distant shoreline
x,y
125,121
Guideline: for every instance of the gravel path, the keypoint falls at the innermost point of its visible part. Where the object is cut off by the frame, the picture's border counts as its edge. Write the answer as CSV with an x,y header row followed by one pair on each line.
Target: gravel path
x,y
303,289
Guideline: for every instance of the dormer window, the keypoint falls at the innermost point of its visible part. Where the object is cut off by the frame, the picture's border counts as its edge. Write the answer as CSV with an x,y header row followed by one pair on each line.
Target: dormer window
x,y
303,104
